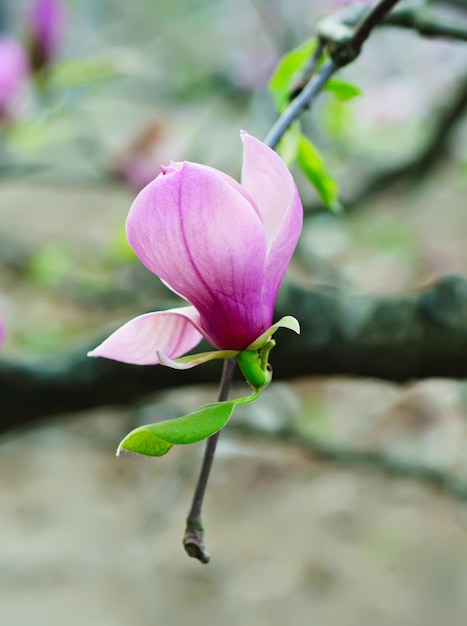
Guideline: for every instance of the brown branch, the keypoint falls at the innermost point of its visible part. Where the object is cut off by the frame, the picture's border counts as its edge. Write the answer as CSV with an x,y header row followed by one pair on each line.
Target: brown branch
x,y
427,23
342,26
418,336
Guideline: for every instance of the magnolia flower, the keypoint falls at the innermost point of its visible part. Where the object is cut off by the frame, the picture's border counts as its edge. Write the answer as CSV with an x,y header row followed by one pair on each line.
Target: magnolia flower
x,y
14,72
221,245
46,20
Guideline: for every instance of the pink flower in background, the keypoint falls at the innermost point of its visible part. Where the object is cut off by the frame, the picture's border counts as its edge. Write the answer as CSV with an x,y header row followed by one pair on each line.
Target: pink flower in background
x,y
14,71
46,21
221,245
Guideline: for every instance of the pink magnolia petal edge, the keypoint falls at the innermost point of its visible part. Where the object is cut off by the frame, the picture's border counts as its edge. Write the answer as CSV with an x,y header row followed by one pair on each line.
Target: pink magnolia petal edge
x,y
173,332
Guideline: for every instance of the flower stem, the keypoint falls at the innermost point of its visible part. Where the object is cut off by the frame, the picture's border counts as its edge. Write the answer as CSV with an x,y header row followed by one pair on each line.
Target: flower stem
x,y
193,540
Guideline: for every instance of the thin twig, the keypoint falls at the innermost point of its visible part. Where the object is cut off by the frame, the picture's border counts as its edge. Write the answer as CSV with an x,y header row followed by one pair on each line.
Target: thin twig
x,y
343,49
371,19
301,102
427,24
193,539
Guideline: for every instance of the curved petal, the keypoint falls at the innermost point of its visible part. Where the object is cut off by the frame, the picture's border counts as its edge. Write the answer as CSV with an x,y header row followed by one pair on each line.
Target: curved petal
x,y
206,241
173,332
267,179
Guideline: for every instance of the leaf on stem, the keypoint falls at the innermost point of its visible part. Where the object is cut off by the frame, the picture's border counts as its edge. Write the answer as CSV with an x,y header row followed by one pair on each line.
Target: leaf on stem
x,y
342,89
315,169
157,439
287,71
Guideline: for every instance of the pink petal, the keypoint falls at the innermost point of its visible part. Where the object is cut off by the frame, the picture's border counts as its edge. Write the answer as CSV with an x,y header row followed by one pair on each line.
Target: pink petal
x,y
173,332
203,237
14,69
267,179
177,165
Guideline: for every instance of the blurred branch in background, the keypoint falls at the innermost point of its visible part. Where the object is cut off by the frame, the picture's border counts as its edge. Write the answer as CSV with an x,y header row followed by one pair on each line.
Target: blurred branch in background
x,y
445,482
399,339
414,169
424,20
427,23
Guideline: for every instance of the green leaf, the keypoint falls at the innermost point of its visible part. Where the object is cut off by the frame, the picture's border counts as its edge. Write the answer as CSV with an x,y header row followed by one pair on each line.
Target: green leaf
x,y
314,168
157,439
287,71
342,89
143,441
288,145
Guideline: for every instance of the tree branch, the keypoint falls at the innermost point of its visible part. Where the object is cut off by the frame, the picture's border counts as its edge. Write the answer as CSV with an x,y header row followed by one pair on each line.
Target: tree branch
x,y
343,45
446,483
426,23
418,336
423,20
416,168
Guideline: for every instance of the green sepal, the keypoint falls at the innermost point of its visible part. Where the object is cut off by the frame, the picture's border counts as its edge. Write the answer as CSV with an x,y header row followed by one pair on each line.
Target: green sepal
x,y
256,370
288,321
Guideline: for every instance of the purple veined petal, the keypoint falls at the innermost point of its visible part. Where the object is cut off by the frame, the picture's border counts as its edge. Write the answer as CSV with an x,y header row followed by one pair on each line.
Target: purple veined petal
x,y
205,240
173,332
266,177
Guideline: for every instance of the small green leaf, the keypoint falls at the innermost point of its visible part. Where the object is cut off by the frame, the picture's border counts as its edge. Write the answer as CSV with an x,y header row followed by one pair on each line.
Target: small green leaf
x,y
288,69
143,441
314,168
157,439
342,89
